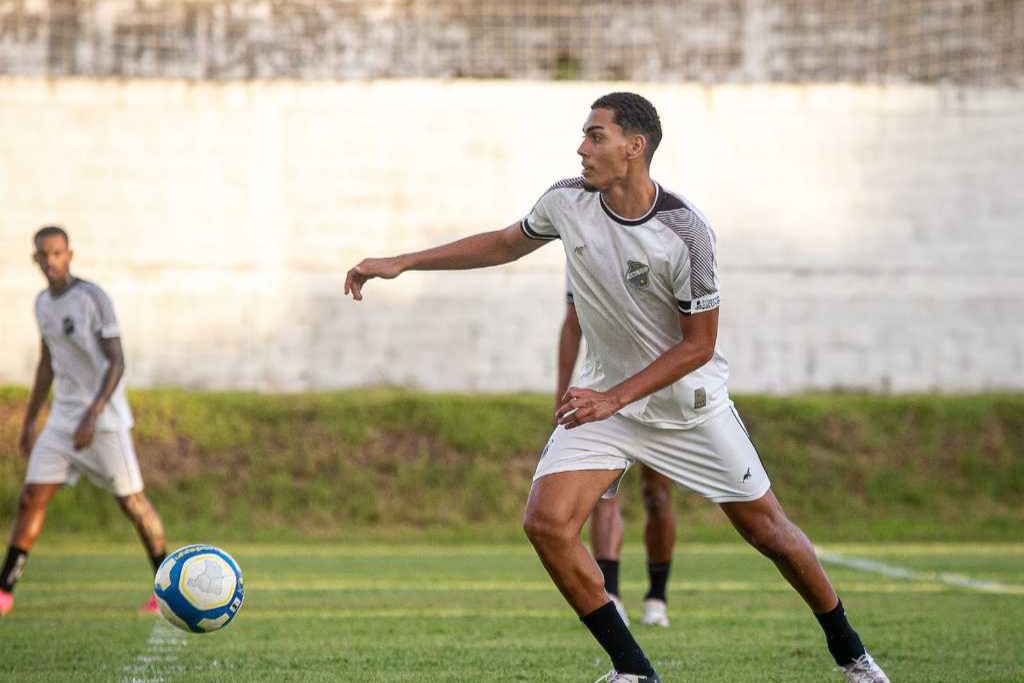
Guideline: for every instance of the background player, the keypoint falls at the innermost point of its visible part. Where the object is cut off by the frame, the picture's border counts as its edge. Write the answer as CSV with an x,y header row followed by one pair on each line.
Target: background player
x,y
607,530
644,274
89,427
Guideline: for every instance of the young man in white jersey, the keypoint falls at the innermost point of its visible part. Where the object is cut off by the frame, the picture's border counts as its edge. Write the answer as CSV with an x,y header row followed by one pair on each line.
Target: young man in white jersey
x,y
607,530
89,427
642,266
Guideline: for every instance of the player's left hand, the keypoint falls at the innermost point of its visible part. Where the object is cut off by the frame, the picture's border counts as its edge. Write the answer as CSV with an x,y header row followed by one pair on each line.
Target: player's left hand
x,y
86,430
580,406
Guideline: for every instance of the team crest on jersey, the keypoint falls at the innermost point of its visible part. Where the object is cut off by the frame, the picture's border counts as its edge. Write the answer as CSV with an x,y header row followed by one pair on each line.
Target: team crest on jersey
x,y
638,274
69,325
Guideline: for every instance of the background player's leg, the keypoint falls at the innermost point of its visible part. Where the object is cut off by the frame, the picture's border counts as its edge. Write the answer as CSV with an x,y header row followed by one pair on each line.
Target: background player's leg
x,y
32,505
764,525
558,506
28,524
606,535
660,540
147,522
660,528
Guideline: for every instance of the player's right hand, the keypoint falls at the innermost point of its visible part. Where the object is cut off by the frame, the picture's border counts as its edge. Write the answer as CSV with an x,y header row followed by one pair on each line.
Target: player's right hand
x,y
366,269
27,440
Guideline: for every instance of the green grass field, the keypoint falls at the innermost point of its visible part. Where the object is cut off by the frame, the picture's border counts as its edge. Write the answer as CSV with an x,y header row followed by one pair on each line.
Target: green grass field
x,y
416,611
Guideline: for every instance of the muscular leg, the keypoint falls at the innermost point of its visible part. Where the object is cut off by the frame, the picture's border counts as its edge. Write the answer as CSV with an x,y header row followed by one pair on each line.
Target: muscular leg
x,y
146,521
28,524
558,506
765,526
31,514
660,528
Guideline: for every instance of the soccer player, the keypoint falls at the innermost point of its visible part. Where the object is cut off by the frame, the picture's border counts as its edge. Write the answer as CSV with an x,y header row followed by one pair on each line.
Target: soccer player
x,y
606,526
89,427
642,265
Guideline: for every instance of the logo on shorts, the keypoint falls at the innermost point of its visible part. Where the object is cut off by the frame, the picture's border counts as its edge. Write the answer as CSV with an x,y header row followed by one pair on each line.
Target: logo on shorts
x,y
69,325
579,250
637,274
746,476
546,449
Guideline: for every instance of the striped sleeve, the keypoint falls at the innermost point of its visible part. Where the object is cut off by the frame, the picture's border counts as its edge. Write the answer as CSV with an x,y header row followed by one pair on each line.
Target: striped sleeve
x,y
695,272
103,320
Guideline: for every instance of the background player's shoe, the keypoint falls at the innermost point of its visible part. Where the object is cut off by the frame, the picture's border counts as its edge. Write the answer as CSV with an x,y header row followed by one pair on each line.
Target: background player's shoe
x,y
6,602
615,677
864,670
620,608
655,613
150,606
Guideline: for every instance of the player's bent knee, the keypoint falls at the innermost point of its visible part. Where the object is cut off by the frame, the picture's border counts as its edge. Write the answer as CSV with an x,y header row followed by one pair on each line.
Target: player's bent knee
x,y
769,538
33,498
134,504
657,501
542,528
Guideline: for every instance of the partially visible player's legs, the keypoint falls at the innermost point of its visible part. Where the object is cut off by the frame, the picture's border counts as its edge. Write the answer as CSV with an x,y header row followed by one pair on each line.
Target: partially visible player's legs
x,y
606,535
28,524
151,530
660,540
147,523
764,524
558,506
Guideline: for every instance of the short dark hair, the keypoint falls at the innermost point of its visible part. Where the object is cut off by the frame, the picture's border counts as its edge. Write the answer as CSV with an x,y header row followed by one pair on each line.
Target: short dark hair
x,y
50,231
635,115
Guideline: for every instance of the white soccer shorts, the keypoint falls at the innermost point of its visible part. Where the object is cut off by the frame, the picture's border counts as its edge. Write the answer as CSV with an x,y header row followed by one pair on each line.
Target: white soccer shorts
x,y
715,459
109,461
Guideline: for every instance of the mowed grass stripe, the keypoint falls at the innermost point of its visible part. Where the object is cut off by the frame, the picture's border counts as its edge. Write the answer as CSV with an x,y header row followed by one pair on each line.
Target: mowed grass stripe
x,y
73,548
341,584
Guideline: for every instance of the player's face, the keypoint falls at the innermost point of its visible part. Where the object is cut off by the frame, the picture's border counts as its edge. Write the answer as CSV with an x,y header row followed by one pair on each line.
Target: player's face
x,y
54,258
604,150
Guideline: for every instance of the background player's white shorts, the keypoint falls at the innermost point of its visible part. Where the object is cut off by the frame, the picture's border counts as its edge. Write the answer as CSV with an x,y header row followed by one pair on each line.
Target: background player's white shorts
x,y
109,461
715,459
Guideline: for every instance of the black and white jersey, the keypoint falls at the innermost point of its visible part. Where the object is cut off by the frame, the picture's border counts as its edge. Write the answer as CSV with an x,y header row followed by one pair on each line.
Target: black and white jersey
x,y
630,279
72,324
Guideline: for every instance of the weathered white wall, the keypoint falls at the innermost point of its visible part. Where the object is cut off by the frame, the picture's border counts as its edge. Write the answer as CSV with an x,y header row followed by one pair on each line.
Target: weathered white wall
x,y
869,237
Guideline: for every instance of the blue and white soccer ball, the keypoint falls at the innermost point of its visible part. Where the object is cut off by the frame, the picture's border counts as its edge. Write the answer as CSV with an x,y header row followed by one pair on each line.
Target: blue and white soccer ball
x,y
199,588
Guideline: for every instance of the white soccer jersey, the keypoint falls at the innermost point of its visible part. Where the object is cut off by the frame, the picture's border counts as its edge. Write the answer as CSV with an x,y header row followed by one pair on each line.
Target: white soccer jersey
x,y
630,280
72,324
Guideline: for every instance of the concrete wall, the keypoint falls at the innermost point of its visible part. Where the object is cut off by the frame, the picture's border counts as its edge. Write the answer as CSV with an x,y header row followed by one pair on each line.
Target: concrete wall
x,y
869,237
971,42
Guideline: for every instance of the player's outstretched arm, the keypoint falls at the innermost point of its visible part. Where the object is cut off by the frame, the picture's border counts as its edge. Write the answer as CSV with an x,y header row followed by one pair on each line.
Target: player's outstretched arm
x,y
700,332
40,390
477,251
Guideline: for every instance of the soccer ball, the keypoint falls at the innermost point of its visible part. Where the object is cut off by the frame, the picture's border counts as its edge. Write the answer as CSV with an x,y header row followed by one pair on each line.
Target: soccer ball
x,y
199,588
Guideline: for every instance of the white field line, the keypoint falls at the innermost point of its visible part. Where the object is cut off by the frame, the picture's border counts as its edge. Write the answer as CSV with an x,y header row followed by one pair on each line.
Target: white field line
x,y
163,649
895,572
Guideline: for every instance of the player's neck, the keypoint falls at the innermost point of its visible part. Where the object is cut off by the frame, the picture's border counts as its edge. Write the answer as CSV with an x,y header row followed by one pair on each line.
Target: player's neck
x,y
58,287
632,198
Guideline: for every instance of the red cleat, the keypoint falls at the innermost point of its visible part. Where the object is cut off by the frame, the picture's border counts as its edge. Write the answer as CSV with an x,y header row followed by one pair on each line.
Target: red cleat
x,y
150,607
6,602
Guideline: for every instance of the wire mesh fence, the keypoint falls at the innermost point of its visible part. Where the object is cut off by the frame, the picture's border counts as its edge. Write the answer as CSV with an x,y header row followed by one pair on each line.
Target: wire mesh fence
x,y
966,42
